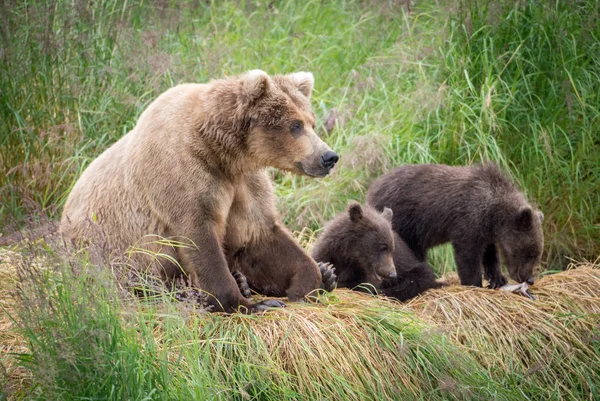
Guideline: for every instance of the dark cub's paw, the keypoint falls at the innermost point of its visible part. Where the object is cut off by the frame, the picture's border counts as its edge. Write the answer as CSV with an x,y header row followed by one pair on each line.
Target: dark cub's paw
x,y
497,282
242,283
267,304
328,277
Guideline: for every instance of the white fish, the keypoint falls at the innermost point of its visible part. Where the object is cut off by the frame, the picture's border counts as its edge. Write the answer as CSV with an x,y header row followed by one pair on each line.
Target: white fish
x,y
521,288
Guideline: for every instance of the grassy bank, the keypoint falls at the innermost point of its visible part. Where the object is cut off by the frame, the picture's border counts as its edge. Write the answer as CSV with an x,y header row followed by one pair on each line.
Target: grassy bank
x,y
81,337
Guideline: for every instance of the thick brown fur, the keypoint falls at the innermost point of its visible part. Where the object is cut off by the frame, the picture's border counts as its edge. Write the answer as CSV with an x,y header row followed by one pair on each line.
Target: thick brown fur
x,y
478,209
363,249
193,170
413,276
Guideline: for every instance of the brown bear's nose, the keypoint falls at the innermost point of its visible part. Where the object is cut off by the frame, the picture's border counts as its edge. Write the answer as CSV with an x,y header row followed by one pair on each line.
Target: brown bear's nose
x,y
530,281
329,159
392,275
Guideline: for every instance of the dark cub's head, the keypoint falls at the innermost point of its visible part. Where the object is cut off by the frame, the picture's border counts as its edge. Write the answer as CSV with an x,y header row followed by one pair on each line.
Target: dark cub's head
x,y
521,242
360,238
281,123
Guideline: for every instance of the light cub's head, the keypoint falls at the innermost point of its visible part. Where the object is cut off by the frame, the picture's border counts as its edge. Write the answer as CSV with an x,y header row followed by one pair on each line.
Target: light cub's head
x,y
373,241
521,243
281,123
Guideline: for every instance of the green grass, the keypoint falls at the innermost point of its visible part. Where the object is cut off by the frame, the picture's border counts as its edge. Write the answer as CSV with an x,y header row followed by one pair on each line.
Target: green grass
x,y
513,82
517,83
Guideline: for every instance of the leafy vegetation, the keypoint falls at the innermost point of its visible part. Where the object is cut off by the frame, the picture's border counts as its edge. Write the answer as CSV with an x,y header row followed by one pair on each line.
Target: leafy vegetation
x,y
517,83
512,82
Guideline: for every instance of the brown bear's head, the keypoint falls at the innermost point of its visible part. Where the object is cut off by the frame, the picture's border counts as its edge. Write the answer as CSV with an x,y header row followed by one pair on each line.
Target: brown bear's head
x,y
521,242
281,123
372,244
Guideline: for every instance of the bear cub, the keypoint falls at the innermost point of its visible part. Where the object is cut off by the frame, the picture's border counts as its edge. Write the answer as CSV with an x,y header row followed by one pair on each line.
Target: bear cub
x,y
477,209
363,249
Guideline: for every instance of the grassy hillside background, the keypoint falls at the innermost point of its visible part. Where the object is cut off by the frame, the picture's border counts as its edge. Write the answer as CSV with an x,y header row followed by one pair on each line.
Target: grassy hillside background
x,y
515,82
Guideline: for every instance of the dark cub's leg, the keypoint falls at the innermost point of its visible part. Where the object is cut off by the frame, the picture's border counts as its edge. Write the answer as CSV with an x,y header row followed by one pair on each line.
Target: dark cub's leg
x,y
468,259
491,267
418,250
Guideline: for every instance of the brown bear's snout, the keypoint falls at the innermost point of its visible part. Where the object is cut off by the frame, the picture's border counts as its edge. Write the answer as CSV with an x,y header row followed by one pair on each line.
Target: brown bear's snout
x,y
392,275
318,166
329,159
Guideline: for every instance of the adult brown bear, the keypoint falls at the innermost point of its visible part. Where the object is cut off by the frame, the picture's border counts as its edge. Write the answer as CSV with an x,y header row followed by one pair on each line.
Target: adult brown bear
x,y
478,209
193,170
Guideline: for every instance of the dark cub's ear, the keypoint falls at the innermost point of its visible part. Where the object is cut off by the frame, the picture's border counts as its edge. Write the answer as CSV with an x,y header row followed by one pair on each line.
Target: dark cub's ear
x,y
387,214
355,211
256,84
524,219
304,81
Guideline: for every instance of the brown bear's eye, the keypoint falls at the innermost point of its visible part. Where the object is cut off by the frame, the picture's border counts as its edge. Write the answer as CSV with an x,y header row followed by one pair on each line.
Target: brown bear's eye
x,y
383,248
296,127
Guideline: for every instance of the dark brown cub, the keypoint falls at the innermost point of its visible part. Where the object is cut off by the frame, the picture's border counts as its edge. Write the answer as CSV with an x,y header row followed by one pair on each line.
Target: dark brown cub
x,y
478,209
363,249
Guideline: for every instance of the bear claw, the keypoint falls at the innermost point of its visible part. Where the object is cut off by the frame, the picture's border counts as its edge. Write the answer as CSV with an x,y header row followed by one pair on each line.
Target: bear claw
x,y
242,283
268,304
497,282
329,278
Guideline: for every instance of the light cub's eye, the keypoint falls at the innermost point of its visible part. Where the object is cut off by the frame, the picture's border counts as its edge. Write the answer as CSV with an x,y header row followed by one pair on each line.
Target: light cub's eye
x,y
296,127
383,248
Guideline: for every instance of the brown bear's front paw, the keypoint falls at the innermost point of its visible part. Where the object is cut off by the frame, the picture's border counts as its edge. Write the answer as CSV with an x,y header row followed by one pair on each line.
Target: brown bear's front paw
x,y
242,283
267,304
497,282
328,277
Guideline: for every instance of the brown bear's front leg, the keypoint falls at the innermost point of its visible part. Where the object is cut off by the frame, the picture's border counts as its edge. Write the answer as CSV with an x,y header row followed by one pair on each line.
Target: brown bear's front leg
x,y
205,264
491,267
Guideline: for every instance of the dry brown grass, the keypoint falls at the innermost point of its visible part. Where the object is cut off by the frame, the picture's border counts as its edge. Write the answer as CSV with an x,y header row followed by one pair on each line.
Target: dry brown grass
x,y
548,337
309,344
550,343
10,341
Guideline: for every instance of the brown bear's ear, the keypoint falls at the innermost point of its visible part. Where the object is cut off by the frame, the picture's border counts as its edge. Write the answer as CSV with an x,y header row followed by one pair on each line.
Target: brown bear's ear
x,y
387,214
256,84
304,81
540,215
355,211
524,219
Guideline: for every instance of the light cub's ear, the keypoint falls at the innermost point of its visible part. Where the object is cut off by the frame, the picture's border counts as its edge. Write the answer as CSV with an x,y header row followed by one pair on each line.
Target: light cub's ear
x,y
304,81
387,214
355,211
524,219
540,215
256,84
